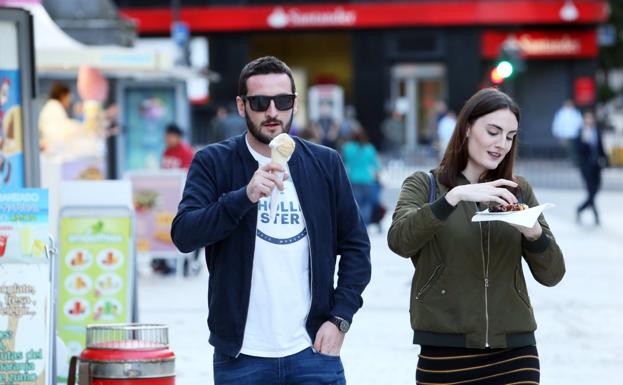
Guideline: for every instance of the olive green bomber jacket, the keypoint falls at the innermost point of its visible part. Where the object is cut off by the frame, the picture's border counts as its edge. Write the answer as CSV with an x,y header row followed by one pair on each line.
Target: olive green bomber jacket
x,y
468,289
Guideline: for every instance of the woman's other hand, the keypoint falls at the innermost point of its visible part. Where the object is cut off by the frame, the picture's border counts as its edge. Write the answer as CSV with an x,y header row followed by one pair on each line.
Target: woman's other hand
x,y
494,191
531,233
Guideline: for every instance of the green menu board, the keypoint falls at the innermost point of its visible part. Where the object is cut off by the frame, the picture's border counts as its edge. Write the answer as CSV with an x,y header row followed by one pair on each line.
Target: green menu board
x,y
95,270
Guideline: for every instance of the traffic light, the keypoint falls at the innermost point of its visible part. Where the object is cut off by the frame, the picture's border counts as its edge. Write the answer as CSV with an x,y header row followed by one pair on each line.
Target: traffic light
x,y
510,61
503,70
513,55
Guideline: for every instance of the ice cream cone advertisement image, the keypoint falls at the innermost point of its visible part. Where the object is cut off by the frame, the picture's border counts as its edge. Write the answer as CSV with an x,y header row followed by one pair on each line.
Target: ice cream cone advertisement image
x,y
24,287
11,137
24,325
155,196
281,149
95,272
23,224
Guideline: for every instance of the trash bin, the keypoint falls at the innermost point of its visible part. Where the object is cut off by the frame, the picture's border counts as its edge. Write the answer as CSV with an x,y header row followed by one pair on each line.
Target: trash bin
x,y
128,354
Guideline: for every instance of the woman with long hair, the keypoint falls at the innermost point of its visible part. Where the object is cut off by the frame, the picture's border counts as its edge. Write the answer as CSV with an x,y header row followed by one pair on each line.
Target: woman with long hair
x,y
470,309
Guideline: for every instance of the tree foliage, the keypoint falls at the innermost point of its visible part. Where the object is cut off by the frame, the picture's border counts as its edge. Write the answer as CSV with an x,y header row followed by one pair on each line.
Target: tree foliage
x,y
612,57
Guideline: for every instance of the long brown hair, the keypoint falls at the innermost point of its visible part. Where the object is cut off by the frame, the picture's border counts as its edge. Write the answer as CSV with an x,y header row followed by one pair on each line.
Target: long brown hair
x,y
454,161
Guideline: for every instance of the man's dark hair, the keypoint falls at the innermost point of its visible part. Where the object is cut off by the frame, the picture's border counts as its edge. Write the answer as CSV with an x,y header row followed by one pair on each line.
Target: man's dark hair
x,y
263,66
58,90
173,128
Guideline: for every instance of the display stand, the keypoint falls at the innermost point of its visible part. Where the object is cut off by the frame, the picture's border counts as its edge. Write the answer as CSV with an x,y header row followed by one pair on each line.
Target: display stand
x,y
26,282
156,195
96,265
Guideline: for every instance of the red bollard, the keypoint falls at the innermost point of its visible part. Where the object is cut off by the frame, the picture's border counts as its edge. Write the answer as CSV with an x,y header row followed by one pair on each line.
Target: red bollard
x,y
125,355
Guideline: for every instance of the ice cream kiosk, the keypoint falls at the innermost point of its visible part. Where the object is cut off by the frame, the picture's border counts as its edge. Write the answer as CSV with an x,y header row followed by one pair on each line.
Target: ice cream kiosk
x,y
26,279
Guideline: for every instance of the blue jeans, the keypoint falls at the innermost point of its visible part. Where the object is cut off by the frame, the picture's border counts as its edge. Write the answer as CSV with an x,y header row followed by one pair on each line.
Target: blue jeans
x,y
303,368
364,195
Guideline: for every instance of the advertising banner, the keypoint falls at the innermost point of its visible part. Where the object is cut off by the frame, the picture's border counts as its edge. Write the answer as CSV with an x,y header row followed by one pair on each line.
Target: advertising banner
x,y
156,195
368,14
11,132
23,224
24,323
147,112
25,288
95,271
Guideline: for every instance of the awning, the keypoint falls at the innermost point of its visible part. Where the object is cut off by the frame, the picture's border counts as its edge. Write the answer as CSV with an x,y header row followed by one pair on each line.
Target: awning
x,y
58,52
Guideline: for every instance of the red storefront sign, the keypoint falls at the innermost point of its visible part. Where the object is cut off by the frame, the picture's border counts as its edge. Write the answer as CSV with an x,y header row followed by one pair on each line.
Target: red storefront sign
x,y
370,15
585,92
543,44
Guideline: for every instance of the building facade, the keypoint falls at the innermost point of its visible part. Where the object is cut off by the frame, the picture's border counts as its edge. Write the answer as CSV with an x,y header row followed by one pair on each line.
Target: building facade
x,y
415,52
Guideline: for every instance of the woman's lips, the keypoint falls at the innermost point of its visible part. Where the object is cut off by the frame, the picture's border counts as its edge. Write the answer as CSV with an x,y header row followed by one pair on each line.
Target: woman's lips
x,y
494,155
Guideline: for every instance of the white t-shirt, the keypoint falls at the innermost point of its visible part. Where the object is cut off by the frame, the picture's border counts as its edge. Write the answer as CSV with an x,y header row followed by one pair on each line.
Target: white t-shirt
x,y
280,288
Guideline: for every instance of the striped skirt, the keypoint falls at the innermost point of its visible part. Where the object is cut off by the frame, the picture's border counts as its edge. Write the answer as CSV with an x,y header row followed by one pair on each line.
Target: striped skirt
x,y
448,366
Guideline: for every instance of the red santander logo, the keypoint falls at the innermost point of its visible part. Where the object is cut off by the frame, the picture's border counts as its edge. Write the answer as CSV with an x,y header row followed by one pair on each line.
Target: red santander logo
x,y
295,18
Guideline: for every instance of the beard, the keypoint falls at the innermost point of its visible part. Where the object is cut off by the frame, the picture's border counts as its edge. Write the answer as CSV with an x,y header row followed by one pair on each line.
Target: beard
x,y
257,133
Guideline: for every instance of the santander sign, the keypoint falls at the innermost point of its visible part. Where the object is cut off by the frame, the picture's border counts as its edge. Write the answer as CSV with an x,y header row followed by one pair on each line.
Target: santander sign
x,y
562,45
281,18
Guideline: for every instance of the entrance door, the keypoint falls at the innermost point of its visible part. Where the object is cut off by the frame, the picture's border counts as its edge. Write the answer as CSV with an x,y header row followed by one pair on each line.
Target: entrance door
x,y
418,89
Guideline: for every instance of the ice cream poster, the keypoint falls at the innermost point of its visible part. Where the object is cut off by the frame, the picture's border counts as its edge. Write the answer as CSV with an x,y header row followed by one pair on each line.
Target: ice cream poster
x,y
24,323
24,286
11,131
23,224
94,275
156,196
148,110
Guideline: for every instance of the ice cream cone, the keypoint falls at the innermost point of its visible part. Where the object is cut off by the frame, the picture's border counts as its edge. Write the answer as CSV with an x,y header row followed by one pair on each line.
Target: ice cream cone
x,y
277,157
281,148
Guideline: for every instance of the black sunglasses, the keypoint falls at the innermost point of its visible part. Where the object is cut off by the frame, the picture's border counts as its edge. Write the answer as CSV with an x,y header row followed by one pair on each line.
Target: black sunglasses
x,y
260,103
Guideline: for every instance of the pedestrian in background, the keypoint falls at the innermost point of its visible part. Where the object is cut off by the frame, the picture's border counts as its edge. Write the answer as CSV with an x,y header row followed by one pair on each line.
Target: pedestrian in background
x,y
591,160
393,129
216,129
226,123
362,166
325,127
57,131
565,127
445,128
470,309
177,154
275,315
348,126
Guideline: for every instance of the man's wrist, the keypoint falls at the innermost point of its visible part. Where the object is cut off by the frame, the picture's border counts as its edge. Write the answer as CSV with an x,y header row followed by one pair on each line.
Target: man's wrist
x,y
339,322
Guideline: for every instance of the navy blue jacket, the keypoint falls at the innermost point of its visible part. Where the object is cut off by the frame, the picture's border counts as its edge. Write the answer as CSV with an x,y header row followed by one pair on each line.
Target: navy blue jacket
x,y
216,213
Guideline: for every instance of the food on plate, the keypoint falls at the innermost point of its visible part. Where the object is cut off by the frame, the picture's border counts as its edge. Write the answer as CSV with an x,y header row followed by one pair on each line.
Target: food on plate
x,y
509,207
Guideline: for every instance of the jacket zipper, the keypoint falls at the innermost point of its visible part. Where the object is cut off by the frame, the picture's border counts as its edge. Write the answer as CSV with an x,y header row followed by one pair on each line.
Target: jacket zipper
x,y
244,324
485,268
311,264
428,282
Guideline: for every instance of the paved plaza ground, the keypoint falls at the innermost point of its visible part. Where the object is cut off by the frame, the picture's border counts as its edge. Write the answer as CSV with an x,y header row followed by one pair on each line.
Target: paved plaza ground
x,y
580,337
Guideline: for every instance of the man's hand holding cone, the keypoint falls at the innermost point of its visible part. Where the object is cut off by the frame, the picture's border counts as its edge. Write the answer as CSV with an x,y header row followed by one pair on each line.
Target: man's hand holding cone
x,y
281,149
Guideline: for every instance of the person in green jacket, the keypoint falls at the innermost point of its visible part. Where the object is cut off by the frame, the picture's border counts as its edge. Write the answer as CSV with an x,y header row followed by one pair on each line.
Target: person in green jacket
x,y
470,309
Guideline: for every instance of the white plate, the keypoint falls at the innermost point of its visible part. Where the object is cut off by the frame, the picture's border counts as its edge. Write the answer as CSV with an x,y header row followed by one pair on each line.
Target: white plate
x,y
526,218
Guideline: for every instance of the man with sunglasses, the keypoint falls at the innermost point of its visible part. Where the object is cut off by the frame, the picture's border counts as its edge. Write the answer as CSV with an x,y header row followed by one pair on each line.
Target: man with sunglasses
x,y
275,315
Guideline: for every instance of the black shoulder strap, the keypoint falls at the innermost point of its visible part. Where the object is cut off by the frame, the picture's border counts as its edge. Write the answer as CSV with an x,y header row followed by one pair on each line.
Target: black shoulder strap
x,y
432,188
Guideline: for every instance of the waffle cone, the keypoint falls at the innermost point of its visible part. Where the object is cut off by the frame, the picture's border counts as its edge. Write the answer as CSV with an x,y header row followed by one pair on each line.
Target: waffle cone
x,y
276,157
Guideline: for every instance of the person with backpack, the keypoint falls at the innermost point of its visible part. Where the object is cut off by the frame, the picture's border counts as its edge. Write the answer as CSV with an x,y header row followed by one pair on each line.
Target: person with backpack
x,y
470,309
